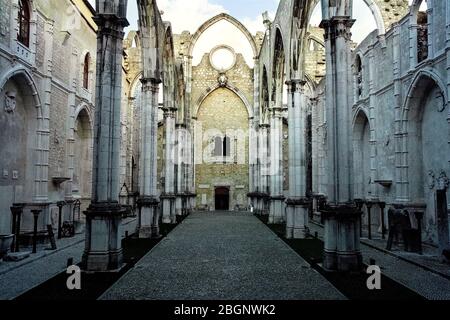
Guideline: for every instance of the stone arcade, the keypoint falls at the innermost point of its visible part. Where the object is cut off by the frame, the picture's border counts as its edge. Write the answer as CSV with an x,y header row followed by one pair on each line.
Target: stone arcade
x,y
297,122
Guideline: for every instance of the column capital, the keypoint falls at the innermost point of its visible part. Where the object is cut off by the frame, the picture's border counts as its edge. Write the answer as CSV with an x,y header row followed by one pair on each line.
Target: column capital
x,y
338,26
296,85
169,112
276,111
150,84
102,19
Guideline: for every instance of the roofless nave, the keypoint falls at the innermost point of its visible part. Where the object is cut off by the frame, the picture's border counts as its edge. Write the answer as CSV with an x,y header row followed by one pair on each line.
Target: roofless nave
x,y
295,122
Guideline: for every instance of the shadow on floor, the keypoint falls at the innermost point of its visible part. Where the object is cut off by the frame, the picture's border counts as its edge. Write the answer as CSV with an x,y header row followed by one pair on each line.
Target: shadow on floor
x,y
94,285
352,285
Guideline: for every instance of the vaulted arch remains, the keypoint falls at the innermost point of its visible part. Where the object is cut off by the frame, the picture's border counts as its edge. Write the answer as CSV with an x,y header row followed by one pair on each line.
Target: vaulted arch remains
x,y
233,34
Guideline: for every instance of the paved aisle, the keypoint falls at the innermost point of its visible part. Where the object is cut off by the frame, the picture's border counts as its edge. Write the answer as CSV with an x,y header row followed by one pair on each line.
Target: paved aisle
x,y
222,256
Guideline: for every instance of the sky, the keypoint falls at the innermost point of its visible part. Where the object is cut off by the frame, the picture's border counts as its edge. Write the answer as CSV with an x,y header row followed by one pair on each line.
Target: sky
x,y
191,14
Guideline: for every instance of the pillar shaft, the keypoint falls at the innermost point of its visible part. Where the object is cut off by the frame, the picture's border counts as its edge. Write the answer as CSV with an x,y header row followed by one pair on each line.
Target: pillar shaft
x,y
337,42
103,249
341,217
276,214
148,201
169,185
297,203
264,167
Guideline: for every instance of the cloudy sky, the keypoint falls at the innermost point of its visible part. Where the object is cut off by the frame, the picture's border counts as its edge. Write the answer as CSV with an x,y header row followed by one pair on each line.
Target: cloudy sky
x,y
189,15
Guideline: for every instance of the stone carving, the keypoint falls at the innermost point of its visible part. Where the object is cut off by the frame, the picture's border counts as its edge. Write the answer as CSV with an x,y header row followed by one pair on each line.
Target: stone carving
x,y
443,105
431,180
442,181
223,80
10,101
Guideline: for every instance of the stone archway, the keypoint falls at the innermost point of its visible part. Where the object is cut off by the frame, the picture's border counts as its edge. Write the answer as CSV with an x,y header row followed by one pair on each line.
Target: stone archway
x,y
21,144
82,155
223,114
361,156
424,156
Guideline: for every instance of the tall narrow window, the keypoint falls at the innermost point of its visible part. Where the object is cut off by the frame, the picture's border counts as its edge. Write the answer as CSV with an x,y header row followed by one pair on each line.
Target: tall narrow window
x,y
359,79
422,32
87,61
226,146
23,19
218,147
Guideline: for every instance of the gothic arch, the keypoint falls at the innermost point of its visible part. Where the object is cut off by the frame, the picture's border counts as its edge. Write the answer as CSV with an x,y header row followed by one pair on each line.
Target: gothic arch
x,y
364,171
409,123
376,12
25,74
214,20
265,96
83,133
39,174
210,90
134,84
425,74
279,63
84,107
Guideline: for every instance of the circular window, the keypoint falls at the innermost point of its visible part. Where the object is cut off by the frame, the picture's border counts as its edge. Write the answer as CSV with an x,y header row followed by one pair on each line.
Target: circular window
x,y
222,58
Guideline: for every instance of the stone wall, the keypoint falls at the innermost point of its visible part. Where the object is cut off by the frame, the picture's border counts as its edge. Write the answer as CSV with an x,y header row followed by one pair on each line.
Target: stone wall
x,y
223,111
61,33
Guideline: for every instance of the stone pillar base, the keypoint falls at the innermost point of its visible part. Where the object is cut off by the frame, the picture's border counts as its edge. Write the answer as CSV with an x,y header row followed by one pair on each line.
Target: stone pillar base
x,y
342,240
103,250
253,201
148,218
168,205
297,218
276,214
179,205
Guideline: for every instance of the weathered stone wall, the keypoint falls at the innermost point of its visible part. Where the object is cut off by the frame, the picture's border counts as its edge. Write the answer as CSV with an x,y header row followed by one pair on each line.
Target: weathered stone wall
x,y
224,111
61,33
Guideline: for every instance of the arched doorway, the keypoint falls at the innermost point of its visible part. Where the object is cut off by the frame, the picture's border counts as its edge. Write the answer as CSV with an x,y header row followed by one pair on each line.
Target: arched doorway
x,y
361,156
222,199
82,156
425,127
19,146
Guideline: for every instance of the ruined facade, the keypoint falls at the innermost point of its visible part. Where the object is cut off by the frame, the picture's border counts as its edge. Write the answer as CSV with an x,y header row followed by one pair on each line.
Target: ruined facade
x,y
311,126
47,72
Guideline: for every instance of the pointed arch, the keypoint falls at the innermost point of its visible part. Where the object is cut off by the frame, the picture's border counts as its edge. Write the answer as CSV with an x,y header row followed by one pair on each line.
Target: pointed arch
x,y
40,131
374,8
278,68
409,123
214,20
234,89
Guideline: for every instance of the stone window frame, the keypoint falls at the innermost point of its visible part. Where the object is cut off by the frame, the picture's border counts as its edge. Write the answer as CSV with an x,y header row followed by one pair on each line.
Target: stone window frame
x,y
418,58
24,23
86,70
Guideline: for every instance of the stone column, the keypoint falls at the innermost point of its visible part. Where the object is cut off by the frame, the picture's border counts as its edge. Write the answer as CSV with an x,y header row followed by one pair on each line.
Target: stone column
x,y
341,216
253,155
168,197
264,167
103,249
181,188
276,214
148,201
297,203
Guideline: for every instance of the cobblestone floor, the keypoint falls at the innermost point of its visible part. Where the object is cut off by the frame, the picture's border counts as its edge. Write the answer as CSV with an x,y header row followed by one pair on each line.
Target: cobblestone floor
x,y
222,256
